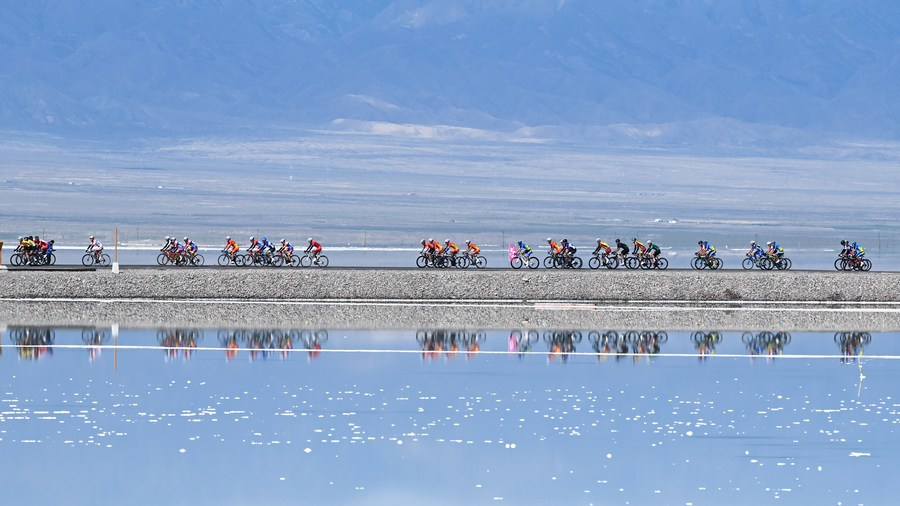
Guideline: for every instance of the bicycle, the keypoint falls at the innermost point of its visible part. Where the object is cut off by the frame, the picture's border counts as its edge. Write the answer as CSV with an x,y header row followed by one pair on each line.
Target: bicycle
x,y
479,261
308,259
522,259
228,258
661,263
761,262
95,258
852,263
285,258
610,261
706,262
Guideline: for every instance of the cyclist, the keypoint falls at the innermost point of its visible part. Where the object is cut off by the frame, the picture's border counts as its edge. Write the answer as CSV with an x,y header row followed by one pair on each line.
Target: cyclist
x,y
190,248
428,249
314,246
706,250
858,251
555,248
774,250
47,249
621,249
436,246
451,247
601,246
231,246
653,252
95,247
254,247
286,250
756,251
567,250
524,249
639,248
472,249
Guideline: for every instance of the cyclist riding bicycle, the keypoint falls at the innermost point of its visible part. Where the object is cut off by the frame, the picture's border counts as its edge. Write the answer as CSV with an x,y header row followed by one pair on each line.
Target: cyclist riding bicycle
x,y
567,249
621,249
524,249
314,246
706,250
756,250
95,247
286,249
254,246
555,248
190,247
231,246
472,248
653,252
774,250
451,247
601,246
639,248
427,249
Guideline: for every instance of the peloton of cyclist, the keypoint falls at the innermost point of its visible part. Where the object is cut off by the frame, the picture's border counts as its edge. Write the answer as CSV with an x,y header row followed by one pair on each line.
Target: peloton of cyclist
x,y
314,246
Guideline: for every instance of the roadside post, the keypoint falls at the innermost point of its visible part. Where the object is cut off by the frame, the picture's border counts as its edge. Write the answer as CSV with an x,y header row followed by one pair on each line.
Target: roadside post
x,y
2,267
115,267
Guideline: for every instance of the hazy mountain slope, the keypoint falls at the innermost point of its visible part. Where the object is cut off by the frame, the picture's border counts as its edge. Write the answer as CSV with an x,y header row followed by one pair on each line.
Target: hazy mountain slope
x,y
817,66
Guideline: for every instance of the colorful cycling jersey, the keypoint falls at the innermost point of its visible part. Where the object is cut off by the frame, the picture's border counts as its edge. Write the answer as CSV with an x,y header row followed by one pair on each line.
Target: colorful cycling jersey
x,y
231,245
191,246
287,247
452,248
437,247
473,249
315,245
705,246
555,247
654,249
602,246
639,246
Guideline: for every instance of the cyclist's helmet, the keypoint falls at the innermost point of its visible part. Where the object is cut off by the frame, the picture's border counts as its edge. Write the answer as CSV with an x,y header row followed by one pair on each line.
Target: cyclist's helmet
x,y
424,241
468,241
752,243
227,237
565,240
283,241
598,240
252,238
843,243
769,243
91,238
521,244
447,241
649,243
634,239
430,239
617,240
265,240
549,239
700,243
187,239
309,239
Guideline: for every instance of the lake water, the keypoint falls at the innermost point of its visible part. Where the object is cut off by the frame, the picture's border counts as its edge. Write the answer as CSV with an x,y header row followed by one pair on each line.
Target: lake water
x,y
187,416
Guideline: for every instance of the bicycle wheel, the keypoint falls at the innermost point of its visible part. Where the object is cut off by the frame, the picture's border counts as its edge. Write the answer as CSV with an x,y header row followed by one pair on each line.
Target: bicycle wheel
x,y
549,262
838,263
766,264
295,260
516,262
18,259
865,264
322,261
533,263
716,263
462,262
662,263
421,262
87,260
594,262
224,259
198,260
577,263
104,260
632,263
161,259
278,261
612,262
698,263
481,262
306,261
748,263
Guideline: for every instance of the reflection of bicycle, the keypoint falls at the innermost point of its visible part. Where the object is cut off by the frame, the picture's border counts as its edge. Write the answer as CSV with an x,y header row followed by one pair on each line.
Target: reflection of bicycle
x,y
766,343
705,342
852,344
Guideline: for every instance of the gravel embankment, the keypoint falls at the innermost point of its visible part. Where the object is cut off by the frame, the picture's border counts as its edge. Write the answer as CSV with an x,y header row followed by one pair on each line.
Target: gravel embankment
x,y
617,299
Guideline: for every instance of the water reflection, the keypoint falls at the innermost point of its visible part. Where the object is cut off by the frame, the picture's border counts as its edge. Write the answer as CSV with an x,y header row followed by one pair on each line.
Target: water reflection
x,y
852,344
32,343
175,341
766,343
95,339
560,344
705,343
263,344
437,343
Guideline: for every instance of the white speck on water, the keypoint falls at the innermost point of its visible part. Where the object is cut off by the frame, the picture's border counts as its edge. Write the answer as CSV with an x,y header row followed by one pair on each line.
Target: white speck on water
x,y
689,433
282,478
609,455
182,450
307,450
